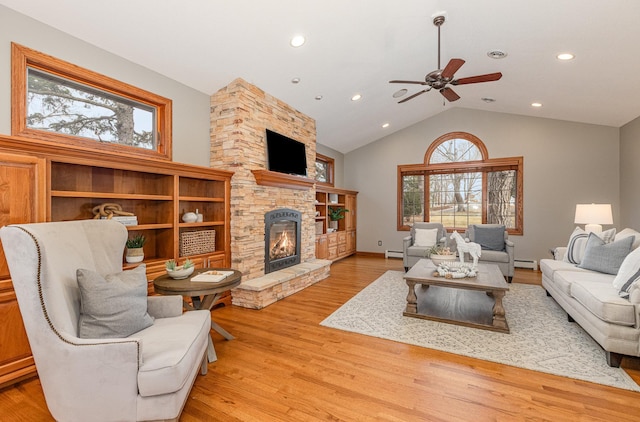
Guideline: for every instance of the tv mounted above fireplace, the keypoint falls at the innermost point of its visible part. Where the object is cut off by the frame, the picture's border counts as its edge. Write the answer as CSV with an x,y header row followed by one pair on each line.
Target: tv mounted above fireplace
x,y
285,155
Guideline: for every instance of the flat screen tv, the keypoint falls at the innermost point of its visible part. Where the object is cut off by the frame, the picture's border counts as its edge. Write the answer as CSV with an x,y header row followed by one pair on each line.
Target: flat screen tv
x,y
286,155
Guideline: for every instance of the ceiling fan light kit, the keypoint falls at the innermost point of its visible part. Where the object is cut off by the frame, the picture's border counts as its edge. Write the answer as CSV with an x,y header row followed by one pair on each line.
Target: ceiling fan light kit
x,y
440,78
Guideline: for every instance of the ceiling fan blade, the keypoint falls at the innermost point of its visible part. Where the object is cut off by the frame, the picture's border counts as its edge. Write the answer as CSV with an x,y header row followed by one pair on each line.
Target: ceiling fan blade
x,y
489,77
407,82
449,94
451,68
414,95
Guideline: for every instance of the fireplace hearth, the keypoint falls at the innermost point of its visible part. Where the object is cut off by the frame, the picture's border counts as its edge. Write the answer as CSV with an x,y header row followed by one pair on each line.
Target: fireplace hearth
x,y
282,239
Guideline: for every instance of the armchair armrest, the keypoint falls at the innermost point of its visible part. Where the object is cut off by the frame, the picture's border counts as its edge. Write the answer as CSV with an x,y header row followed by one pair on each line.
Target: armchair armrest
x,y
406,242
164,306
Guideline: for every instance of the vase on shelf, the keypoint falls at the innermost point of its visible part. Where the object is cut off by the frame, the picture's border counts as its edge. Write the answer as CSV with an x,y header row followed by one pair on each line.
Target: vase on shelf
x,y
134,255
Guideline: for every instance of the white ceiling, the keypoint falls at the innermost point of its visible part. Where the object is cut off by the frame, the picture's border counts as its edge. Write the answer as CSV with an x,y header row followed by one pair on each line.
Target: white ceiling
x,y
357,46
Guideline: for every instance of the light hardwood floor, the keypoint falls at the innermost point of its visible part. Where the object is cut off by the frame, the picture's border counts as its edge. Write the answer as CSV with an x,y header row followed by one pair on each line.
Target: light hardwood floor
x,y
283,366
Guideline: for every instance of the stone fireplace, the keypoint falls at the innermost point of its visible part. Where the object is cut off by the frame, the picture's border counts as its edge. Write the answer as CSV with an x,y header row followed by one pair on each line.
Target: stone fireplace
x,y
282,239
240,115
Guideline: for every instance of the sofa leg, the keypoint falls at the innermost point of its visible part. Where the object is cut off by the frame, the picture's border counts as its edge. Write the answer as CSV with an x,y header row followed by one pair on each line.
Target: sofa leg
x,y
406,269
548,294
509,279
614,359
570,318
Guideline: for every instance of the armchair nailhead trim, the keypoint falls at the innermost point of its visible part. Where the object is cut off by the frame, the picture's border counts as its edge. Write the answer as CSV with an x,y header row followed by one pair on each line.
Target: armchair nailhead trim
x,y
44,308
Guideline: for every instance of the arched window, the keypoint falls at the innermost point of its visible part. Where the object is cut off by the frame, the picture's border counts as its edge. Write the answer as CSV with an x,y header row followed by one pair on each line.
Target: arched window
x,y
459,185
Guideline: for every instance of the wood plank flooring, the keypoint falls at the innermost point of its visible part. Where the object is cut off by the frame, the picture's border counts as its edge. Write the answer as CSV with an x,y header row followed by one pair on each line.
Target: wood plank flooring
x,y
283,366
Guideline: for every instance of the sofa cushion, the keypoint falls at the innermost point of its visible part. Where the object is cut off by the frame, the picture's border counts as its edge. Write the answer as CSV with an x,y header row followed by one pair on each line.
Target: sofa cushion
x,y
597,294
629,232
113,306
550,266
628,274
494,256
426,237
420,251
171,348
578,242
605,257
489,238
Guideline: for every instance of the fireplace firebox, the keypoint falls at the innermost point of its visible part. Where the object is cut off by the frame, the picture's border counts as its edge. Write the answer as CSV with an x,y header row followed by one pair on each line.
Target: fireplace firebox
x,y
281,239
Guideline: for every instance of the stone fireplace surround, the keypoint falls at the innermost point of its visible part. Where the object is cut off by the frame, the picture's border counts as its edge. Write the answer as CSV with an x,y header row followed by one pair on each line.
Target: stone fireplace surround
x,y
240,113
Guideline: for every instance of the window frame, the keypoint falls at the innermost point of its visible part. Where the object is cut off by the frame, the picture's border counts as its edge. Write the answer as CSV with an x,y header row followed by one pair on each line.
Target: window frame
x,y
23,58
486,165
330,163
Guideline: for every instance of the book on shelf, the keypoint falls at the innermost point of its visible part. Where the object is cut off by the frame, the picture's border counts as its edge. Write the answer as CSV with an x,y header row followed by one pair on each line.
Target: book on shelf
x,y
127,220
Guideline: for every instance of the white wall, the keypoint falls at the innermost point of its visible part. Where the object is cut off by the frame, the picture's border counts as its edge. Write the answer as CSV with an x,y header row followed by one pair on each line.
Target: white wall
x,y
630,174
190,107
565,163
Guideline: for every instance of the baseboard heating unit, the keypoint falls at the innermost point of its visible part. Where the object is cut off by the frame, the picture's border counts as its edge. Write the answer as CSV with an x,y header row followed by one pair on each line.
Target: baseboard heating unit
x,y
392,254
526,263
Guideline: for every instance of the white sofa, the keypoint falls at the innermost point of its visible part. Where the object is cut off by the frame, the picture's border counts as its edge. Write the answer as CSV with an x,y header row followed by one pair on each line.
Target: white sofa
x,y
591,300
141,377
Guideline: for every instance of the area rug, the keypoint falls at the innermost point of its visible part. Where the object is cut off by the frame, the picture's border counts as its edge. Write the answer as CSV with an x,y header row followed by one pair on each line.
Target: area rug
x,y
541,338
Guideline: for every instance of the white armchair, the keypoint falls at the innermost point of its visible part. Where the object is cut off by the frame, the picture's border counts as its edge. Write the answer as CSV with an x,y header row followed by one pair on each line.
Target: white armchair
x,y
412,252
496,247
145,376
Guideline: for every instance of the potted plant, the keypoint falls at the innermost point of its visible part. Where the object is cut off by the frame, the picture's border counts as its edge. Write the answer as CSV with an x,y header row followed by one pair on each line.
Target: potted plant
x,y
135,253
336,214
179,272
440,254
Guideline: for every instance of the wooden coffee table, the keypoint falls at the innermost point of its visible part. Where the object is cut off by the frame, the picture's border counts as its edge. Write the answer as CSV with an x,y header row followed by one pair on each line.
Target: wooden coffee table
x,y
472,302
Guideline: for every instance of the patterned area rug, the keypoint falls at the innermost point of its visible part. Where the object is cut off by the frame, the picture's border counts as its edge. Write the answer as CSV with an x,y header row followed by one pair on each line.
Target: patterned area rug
x,y
541,338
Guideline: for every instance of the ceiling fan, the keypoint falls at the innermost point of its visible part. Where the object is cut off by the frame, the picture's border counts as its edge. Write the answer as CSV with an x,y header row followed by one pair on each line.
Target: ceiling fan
x,y
439,79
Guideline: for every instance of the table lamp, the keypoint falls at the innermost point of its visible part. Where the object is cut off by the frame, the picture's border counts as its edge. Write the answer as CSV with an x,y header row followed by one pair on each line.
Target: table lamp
x,y
593,216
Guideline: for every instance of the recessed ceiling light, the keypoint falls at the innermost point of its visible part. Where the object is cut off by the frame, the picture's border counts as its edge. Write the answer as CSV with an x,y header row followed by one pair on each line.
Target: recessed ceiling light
x,y
497,54
536,104
399,93
297,41
488,99
565,56
295,80
356,97
385,125
318,97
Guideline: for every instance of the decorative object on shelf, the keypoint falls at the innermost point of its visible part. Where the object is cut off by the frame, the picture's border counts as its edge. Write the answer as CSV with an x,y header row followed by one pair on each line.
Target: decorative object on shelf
x,y
108,210
179,272
199,217
197,242
474,249
454,269
319,228
190,217
135,252
336,214
440,254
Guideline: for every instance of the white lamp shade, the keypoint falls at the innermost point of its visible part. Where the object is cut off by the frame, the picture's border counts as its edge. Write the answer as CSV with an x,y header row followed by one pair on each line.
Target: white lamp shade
x,y
593,216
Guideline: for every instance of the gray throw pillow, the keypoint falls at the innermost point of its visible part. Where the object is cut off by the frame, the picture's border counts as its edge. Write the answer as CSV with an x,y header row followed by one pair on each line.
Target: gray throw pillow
x,y
489,238
114,306
605,257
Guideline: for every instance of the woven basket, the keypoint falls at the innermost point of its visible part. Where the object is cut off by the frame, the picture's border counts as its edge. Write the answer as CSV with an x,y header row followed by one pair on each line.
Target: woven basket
x,y
197,242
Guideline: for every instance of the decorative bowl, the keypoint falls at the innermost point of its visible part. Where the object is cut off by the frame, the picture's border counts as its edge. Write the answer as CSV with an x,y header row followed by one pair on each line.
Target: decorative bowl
x,y
190,217
439,259
180,273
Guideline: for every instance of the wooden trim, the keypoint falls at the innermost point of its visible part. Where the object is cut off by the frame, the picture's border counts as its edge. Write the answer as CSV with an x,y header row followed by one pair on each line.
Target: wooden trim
x,y
23,57
330,169
456,135
281,180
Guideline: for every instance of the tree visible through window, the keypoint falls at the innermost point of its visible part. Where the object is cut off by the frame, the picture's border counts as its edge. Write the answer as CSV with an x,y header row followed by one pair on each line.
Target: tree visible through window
x,y
459,185
56,101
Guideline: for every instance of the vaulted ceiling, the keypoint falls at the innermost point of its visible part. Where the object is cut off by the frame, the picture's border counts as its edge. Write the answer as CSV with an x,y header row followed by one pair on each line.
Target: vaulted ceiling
x,y
357,46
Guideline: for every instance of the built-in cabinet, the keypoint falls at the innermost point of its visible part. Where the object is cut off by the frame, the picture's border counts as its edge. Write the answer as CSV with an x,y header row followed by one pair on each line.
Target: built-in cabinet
x,y
41,182
338,239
